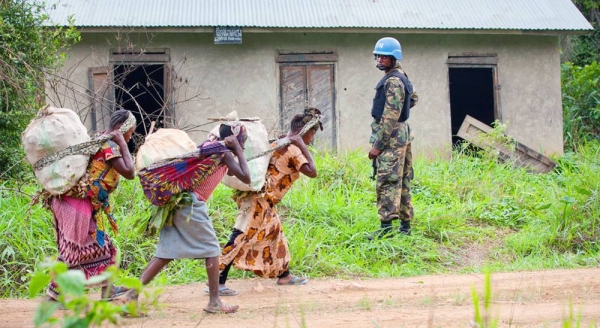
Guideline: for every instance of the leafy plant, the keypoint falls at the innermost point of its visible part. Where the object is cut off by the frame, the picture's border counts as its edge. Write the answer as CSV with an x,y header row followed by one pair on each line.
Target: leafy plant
x,y
571,321
161,215
81,311
30,48
584,49
483,316
581,103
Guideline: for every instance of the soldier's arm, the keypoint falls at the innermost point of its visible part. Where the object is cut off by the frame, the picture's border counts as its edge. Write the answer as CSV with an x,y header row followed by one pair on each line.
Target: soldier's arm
x,y
394,97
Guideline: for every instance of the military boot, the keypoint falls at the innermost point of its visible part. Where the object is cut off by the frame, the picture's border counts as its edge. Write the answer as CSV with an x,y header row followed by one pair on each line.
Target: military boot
x,y
404,228
385,231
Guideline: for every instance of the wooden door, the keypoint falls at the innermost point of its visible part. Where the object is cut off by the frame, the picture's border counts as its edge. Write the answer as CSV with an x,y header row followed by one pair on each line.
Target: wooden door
x,y
306,85
100,95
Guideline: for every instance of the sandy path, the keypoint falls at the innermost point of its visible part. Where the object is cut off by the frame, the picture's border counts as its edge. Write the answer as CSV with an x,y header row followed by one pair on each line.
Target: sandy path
x,y
520,299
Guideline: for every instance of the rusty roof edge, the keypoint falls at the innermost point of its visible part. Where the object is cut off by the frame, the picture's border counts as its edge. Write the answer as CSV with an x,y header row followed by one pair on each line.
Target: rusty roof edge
x,y
210,29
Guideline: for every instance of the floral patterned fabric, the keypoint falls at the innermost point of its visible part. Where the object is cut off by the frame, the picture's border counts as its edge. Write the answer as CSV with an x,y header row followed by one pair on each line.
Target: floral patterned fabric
x,y
75,233
104,179
79,222
262,247
164,179
183,174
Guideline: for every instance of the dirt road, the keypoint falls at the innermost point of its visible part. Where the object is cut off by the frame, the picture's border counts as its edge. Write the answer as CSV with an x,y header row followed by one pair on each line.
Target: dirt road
x,y
519,299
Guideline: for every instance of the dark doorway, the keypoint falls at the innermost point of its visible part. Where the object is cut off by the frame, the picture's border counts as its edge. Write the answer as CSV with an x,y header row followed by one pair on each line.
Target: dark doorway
x,y
471,93
140,89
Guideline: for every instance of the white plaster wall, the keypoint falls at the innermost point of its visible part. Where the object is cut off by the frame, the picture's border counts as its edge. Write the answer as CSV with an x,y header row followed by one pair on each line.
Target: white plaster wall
x,y
245,78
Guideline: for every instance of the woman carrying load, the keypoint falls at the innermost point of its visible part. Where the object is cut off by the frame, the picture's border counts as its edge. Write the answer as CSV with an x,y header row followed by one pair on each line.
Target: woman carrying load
x,y
191,234
79,221
257,242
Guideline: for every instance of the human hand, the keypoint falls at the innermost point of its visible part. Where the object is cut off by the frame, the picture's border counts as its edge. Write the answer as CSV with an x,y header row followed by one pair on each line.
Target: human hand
x,y
232,143
374,152
117,136
297,140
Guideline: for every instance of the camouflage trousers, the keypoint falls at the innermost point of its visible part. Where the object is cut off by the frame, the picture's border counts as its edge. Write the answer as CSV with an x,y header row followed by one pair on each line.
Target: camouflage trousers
x,y
394,176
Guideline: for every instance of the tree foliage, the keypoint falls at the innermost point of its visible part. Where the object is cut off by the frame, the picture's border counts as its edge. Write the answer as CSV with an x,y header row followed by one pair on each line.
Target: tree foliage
x,y
581,80
30,48
584,49
581,103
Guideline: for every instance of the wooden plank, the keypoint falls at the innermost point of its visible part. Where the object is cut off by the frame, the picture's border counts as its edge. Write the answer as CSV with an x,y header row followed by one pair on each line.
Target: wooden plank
x,y
100,92
476,132
146,56
293,94
291,58
321,95
473,60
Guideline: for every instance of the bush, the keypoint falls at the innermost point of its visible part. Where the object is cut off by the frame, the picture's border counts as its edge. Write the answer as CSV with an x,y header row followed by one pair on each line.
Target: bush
x,y
581,103
30,48
582,50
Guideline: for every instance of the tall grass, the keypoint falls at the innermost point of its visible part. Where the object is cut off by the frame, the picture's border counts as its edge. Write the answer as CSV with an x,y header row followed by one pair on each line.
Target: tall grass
x,y
463,207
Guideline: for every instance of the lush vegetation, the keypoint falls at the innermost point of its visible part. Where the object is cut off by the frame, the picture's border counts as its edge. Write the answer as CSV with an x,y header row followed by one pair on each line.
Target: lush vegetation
x,y
581,103
580,55
83,311
582,50
471,212
30,48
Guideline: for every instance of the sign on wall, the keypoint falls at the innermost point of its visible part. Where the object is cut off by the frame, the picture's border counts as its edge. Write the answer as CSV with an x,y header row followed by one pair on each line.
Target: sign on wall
x,y
228,35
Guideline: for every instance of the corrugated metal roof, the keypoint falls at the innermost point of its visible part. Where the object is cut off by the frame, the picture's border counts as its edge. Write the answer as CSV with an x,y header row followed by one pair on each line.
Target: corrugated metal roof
x,y
534,15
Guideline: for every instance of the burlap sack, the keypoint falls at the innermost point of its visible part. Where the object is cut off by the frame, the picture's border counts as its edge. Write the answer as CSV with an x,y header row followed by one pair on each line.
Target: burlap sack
x,y
55,129
163,144
258,142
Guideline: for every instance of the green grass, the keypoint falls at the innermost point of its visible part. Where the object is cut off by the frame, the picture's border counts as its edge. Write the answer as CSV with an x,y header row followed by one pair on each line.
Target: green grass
x,y
469,207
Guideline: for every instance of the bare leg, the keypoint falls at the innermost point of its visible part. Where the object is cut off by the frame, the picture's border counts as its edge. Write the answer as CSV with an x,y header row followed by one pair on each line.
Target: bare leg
x,y
153,268
212,270
214,302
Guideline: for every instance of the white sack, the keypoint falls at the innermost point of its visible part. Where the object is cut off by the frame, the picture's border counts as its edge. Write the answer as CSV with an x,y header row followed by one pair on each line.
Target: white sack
x,y
163,144
55,130
257,142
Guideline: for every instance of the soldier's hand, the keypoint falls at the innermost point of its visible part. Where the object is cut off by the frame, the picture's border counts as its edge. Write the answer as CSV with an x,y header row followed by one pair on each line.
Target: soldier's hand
x,y
374,152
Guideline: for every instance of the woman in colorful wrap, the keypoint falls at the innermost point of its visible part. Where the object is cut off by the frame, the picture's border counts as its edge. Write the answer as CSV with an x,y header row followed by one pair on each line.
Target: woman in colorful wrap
x,y
191,234
257,242
79,222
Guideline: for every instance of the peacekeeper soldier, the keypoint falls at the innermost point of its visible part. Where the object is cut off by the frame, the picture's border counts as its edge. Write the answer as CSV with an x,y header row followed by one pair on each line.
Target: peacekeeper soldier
x,y
391,140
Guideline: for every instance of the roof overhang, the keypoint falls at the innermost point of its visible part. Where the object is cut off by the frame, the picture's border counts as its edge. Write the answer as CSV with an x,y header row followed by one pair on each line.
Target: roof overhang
x,y
130,29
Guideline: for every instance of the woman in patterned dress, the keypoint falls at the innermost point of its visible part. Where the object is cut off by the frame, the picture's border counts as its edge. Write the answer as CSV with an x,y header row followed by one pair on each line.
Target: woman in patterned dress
x,y
257,242
79,222
191,234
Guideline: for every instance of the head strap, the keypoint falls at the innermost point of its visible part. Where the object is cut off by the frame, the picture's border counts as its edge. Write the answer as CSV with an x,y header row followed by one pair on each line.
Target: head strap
x,y
128,124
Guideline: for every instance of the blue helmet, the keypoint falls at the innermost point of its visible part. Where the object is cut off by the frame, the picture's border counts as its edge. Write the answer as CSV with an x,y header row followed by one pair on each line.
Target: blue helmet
x,y
388,47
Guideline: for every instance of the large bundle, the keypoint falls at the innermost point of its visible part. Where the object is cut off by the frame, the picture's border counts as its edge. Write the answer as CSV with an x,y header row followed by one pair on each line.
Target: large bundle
x,y
163,144
54,130
257,143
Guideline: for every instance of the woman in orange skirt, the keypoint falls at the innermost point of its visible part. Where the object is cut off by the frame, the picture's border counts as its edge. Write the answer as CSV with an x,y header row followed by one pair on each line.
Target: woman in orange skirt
x,y
257,242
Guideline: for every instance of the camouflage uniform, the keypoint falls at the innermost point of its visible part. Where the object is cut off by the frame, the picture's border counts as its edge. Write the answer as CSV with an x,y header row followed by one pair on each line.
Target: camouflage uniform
x,y
394,163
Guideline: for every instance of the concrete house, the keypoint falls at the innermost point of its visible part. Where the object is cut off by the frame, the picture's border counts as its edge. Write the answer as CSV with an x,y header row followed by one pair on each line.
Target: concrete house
x,y
180,62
